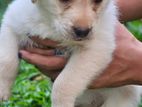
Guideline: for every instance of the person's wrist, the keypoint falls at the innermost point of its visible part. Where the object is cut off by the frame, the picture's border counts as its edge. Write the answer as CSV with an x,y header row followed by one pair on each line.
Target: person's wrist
x,y
136,66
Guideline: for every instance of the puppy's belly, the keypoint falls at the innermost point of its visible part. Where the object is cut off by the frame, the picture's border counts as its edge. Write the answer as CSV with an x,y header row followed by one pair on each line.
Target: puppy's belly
x,y
90,98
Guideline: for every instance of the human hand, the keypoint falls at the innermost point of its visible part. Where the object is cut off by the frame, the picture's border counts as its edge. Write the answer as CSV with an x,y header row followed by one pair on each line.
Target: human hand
x,y
44,59
123,70
126,66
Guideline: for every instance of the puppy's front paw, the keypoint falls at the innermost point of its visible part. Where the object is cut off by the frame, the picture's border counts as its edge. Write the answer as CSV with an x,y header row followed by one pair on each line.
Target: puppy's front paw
x,y
4,92
4,96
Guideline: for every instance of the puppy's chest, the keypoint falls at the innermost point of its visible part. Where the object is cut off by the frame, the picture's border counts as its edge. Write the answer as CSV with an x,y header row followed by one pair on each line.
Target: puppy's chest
x,y
25,34
34,29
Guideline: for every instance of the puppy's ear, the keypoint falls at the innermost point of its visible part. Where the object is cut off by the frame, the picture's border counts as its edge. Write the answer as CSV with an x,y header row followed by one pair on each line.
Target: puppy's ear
x,y
34,1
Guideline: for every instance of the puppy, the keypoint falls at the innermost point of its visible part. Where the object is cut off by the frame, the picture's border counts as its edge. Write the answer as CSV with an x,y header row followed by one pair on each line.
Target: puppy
x,y
86,28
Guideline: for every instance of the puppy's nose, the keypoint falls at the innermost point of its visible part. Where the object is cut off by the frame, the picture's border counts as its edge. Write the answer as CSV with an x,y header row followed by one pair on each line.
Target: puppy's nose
x,y
81,32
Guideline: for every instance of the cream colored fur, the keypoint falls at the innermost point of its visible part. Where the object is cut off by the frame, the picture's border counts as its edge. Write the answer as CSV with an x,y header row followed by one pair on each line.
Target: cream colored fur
x,y
54,20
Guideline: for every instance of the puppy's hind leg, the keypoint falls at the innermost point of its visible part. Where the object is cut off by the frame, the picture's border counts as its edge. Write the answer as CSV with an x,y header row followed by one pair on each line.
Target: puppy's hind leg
x,y
8,60
128,96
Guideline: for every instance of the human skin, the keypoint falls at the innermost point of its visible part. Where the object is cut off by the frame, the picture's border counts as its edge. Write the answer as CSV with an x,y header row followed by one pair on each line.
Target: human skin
x,y
126,66
130,10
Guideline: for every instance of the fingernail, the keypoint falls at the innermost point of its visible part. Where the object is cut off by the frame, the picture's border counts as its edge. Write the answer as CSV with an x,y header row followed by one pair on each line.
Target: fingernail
x,y
20,55
28,34
58,52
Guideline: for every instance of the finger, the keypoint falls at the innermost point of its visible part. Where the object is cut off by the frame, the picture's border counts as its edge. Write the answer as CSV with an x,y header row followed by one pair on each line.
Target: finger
x,y
50,73
45,52
109,81
51,62
99,83
45,42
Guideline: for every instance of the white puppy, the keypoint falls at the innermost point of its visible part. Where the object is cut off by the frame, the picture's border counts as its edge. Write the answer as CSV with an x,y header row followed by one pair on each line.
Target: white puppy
x,y
86,28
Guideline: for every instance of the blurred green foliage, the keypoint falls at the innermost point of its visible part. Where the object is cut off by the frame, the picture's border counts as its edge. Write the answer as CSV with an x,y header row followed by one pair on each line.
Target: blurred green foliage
x,y
136,28
31,88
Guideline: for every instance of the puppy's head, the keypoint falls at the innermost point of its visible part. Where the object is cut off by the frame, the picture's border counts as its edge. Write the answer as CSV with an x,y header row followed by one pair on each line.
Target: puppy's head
x,y
75,19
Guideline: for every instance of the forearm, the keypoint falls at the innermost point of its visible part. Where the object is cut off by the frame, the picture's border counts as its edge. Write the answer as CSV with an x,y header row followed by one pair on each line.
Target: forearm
x,y
126,66
136,66
130,9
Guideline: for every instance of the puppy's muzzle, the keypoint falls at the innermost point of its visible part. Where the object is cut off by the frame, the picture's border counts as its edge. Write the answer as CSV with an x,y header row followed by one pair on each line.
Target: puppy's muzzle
x,y
81,33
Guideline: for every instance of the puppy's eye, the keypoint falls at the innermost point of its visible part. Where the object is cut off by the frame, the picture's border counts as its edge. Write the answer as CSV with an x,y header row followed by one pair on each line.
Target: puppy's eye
x,y
98,1
65,1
